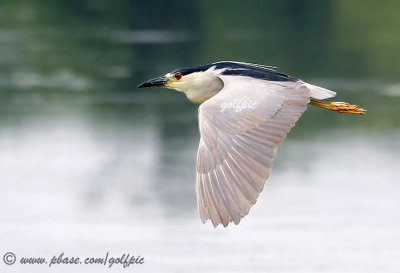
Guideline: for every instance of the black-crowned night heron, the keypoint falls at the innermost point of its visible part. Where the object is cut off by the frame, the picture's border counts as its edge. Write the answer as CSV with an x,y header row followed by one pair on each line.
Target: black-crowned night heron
x,y
246,111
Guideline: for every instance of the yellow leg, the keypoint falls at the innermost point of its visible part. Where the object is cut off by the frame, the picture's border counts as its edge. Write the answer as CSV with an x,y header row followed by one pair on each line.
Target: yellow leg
x,y
341,107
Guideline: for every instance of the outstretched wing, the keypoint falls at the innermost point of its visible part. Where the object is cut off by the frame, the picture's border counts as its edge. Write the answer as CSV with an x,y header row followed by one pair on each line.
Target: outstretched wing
x,y
240,129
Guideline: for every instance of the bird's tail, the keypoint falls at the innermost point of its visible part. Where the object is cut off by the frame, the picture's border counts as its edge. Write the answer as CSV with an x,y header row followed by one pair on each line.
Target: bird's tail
x,y
319,93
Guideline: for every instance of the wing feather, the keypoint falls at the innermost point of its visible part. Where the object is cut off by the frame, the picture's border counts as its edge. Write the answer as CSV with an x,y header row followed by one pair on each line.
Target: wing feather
x,y
237,148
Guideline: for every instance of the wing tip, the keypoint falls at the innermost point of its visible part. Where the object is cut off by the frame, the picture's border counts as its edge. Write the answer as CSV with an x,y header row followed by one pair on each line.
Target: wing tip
x,y
215,224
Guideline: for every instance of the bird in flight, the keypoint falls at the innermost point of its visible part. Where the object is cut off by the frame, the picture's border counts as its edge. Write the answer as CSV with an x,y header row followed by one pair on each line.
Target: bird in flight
x,y
245,111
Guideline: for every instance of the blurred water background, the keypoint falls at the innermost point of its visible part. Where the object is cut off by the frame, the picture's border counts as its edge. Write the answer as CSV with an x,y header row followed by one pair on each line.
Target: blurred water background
x,y
90,164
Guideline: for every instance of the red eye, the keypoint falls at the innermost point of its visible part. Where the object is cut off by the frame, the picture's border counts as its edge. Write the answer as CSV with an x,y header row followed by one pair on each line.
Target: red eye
x,y
178,76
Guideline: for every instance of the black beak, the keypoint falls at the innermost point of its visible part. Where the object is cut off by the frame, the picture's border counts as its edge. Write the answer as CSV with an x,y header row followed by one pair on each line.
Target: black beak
x,y
160,81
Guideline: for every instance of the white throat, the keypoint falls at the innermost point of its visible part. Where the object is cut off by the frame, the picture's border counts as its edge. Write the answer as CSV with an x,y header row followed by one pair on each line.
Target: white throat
x,y
200,86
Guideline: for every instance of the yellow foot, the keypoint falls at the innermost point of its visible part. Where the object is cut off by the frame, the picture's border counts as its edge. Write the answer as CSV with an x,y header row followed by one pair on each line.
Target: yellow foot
x,y
344,107
341,107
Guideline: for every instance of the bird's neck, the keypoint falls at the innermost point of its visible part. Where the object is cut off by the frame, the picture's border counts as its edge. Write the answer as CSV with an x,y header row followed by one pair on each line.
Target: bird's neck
x,y
204,89
200,96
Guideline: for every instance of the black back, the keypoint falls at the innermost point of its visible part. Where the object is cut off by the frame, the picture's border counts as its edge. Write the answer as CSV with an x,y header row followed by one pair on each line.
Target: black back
x,y
242,69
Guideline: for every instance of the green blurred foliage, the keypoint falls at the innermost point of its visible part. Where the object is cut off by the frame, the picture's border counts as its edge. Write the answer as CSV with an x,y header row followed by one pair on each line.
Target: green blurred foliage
x,y
111,46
